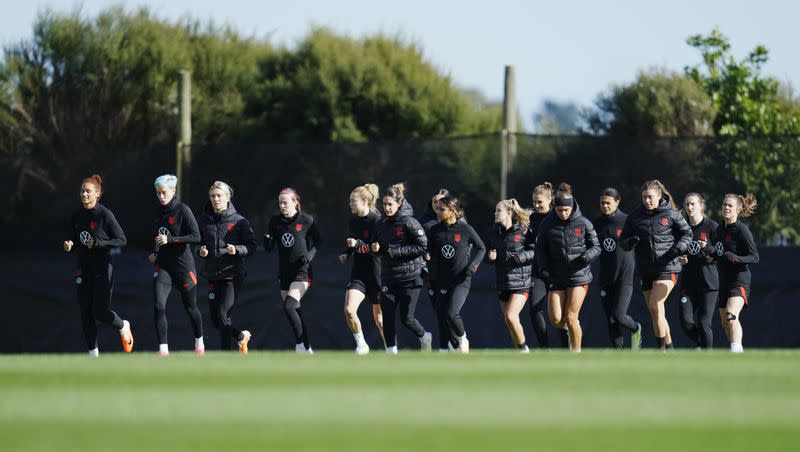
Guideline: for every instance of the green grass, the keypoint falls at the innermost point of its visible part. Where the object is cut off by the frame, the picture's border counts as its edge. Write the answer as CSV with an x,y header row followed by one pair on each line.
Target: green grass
x,y
598,400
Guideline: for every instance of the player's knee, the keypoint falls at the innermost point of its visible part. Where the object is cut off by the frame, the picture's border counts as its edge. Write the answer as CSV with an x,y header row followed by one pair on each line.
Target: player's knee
x,y
730,317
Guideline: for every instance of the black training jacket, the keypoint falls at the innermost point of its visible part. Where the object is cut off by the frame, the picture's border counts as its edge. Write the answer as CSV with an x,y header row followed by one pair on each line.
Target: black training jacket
x,y
735,250
566,248
296,238
698,273
216,232
177,222
536,219
456,253
663,236
616,264
428,218
365,265
404,236
100,224
515,256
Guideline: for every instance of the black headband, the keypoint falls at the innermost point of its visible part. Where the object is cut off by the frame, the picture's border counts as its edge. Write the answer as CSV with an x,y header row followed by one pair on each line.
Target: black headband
x,y
564,202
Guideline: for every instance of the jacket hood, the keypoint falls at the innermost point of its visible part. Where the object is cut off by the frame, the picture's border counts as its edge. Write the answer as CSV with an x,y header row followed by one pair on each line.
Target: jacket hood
x,y
576,211
170,205
405,210
229,211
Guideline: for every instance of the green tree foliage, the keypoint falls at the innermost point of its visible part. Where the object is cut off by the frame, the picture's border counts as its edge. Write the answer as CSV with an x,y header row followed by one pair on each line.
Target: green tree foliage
x,y
338,89
657,104
762,121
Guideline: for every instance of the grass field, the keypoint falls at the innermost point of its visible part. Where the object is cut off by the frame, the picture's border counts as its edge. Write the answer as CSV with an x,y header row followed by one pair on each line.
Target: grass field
x,y
598,400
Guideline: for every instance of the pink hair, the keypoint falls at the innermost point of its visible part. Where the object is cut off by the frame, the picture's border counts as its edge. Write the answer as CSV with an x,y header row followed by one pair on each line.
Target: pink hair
x,y
293,192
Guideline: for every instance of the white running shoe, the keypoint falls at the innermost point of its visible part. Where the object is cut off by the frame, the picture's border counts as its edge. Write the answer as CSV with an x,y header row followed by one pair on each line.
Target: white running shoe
x,y
391,350
463,343
425,342
525,350
737,348
362,349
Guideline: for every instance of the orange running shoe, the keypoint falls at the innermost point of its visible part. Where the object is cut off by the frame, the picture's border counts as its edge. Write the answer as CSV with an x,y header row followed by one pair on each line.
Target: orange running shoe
x,y
244,341
127,336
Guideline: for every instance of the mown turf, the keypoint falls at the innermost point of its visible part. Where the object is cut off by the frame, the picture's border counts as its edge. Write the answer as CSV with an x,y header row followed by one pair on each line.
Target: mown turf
x,y
598,400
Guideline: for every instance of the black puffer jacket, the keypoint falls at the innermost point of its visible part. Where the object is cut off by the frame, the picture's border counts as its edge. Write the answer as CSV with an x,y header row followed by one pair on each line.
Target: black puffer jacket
x,y
566,248
659,237
536,220
515,255
216,232
402,245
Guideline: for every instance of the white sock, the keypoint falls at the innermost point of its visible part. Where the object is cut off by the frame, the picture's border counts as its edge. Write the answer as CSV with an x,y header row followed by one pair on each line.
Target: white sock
x,y
198,343
392,349
359,337
163,348
736,348
94,352
461,339
299,347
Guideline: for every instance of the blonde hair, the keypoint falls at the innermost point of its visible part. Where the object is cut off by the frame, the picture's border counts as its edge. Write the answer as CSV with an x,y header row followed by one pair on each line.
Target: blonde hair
x,y
564,190
522,216
747,203
221,186
656,184
368,193
545,189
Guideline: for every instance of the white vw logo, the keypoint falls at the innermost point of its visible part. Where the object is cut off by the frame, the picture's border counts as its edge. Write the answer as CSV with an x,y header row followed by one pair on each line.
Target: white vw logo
x,y
602,293
609,244
694,248
163,231
85,237
720,249
211,296
287,239
448,251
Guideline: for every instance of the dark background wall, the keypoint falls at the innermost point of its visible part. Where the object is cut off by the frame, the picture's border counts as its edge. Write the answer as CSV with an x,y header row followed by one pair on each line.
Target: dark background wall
x,y
41,313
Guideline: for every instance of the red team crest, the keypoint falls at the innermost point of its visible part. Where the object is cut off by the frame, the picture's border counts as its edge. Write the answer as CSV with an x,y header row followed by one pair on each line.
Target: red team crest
x,y
92,225
398,231
365,234
664,221
298,227
578,232
728,239
229,226
517,238
703,236
457,238
171,219
619,233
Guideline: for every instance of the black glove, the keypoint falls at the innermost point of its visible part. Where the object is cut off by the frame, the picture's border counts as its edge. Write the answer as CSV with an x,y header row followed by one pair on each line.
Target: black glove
x,y
671,253
267,242
633,241
545,276
732,258
583,259
513,258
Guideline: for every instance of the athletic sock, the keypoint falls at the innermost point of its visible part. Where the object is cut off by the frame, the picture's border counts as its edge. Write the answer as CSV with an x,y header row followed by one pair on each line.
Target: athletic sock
x,y
392,350
670,346
736,348
94,352
198,343
163,348
290,307
359,337
522,345
662,343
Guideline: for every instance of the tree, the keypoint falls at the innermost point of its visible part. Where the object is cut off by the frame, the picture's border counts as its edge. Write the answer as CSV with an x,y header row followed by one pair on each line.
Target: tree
x,y
762,122
657,104
338,89
556,118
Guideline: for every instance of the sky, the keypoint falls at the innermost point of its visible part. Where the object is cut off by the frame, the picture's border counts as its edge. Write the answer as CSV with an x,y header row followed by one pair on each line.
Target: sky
x,y
567,51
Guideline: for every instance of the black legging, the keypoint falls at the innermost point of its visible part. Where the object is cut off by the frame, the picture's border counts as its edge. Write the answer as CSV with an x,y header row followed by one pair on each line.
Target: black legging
x,y
697,308
536,305
446,334
616,299
222,295
405,299
449,308
95,285
187,286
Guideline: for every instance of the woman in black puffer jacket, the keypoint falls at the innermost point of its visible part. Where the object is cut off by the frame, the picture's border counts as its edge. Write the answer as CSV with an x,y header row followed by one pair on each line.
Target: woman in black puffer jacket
x,y
510,244
225,239
660,235
565,246
401,242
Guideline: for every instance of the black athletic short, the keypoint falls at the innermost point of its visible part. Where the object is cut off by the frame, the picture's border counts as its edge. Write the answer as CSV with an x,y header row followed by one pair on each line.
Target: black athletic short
x,y
505,295
563,287
286,280
371,290
648,280
730,291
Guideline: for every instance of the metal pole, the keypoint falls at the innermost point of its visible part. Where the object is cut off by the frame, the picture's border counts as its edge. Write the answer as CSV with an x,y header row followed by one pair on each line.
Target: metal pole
x,y
510,113
504,164
184,163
